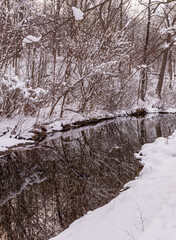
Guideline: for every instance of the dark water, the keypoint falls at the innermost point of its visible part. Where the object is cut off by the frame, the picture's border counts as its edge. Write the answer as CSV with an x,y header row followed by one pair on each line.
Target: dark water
x,y
45,188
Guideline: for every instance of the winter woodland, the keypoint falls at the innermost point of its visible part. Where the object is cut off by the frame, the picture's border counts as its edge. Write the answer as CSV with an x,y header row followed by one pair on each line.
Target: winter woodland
x,y
70,56
65,59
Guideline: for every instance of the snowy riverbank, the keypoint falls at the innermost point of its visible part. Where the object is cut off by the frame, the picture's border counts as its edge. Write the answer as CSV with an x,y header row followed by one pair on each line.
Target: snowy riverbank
x,y
20,129
7,142
146,211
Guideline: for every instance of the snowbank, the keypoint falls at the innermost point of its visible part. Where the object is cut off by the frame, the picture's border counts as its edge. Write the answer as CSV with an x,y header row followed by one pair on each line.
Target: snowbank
x,y
15,131
7,141
146,211
23,126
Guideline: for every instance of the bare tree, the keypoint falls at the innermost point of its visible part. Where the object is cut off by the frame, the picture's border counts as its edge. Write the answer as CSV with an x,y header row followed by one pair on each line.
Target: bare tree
x,y
167,46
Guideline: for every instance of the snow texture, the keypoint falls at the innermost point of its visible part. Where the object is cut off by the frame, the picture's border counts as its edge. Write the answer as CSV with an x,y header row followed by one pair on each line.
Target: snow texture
x,y
146,211
30,39
78,14
6,141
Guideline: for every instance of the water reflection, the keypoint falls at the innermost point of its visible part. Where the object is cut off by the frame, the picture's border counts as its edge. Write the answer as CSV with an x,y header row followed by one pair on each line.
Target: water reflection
x,y
44,189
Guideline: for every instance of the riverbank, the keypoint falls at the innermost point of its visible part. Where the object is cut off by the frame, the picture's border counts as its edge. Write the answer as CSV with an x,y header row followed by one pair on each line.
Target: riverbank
x,y
146,210
25,130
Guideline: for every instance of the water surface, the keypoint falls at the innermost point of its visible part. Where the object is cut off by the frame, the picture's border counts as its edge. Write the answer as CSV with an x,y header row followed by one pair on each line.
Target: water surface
x,y
45,188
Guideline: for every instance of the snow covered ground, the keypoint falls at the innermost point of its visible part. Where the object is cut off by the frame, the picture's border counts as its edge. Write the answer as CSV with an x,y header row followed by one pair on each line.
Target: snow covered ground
x,y
6,141
145,211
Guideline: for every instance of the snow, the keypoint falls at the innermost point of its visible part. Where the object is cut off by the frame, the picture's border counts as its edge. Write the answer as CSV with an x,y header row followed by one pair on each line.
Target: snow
x,y
170,30
78,14
30,39
171,110
146,211
174,41
143,66
7,141
166,45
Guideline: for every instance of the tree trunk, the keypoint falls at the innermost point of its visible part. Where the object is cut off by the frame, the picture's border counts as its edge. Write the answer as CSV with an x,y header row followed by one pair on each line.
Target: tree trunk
x,y
144,77
163,67
121,15
170,70
164,60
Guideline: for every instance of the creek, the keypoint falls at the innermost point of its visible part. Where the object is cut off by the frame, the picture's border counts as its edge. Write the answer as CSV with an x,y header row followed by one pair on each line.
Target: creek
x,y
44,188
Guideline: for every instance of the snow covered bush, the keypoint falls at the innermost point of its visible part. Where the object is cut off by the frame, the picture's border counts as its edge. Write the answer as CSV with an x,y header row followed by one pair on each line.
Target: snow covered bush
x,y
16,97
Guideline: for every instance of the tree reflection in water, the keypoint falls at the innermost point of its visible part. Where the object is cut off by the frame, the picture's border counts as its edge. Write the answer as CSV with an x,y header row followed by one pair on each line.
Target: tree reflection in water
x,y
45,188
